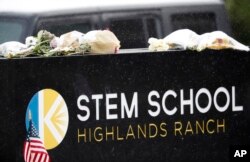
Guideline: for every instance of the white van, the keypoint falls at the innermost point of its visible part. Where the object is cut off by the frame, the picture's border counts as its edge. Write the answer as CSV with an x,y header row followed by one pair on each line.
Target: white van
x,y
132,21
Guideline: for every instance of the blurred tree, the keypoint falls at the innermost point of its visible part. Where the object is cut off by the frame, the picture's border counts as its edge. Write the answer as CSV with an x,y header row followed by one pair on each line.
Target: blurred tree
x,y
239,14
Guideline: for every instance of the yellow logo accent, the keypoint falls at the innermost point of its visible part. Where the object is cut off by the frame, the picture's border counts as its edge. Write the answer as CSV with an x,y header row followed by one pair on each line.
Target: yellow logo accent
x,y
53,118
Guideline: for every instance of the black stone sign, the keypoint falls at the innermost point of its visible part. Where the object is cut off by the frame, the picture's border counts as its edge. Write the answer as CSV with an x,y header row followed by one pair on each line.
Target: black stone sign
x,y
164,106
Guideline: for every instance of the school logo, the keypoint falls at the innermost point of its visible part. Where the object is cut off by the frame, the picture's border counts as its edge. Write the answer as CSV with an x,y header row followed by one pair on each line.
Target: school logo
x,y
50,117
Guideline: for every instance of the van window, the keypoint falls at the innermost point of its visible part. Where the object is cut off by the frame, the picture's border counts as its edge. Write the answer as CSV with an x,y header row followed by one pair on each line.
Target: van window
x,y
198,22
59,29
59,26
134,32
11,29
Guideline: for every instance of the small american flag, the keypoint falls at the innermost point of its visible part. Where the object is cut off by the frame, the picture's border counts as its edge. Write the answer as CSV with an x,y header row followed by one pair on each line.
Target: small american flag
x,y
34,150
